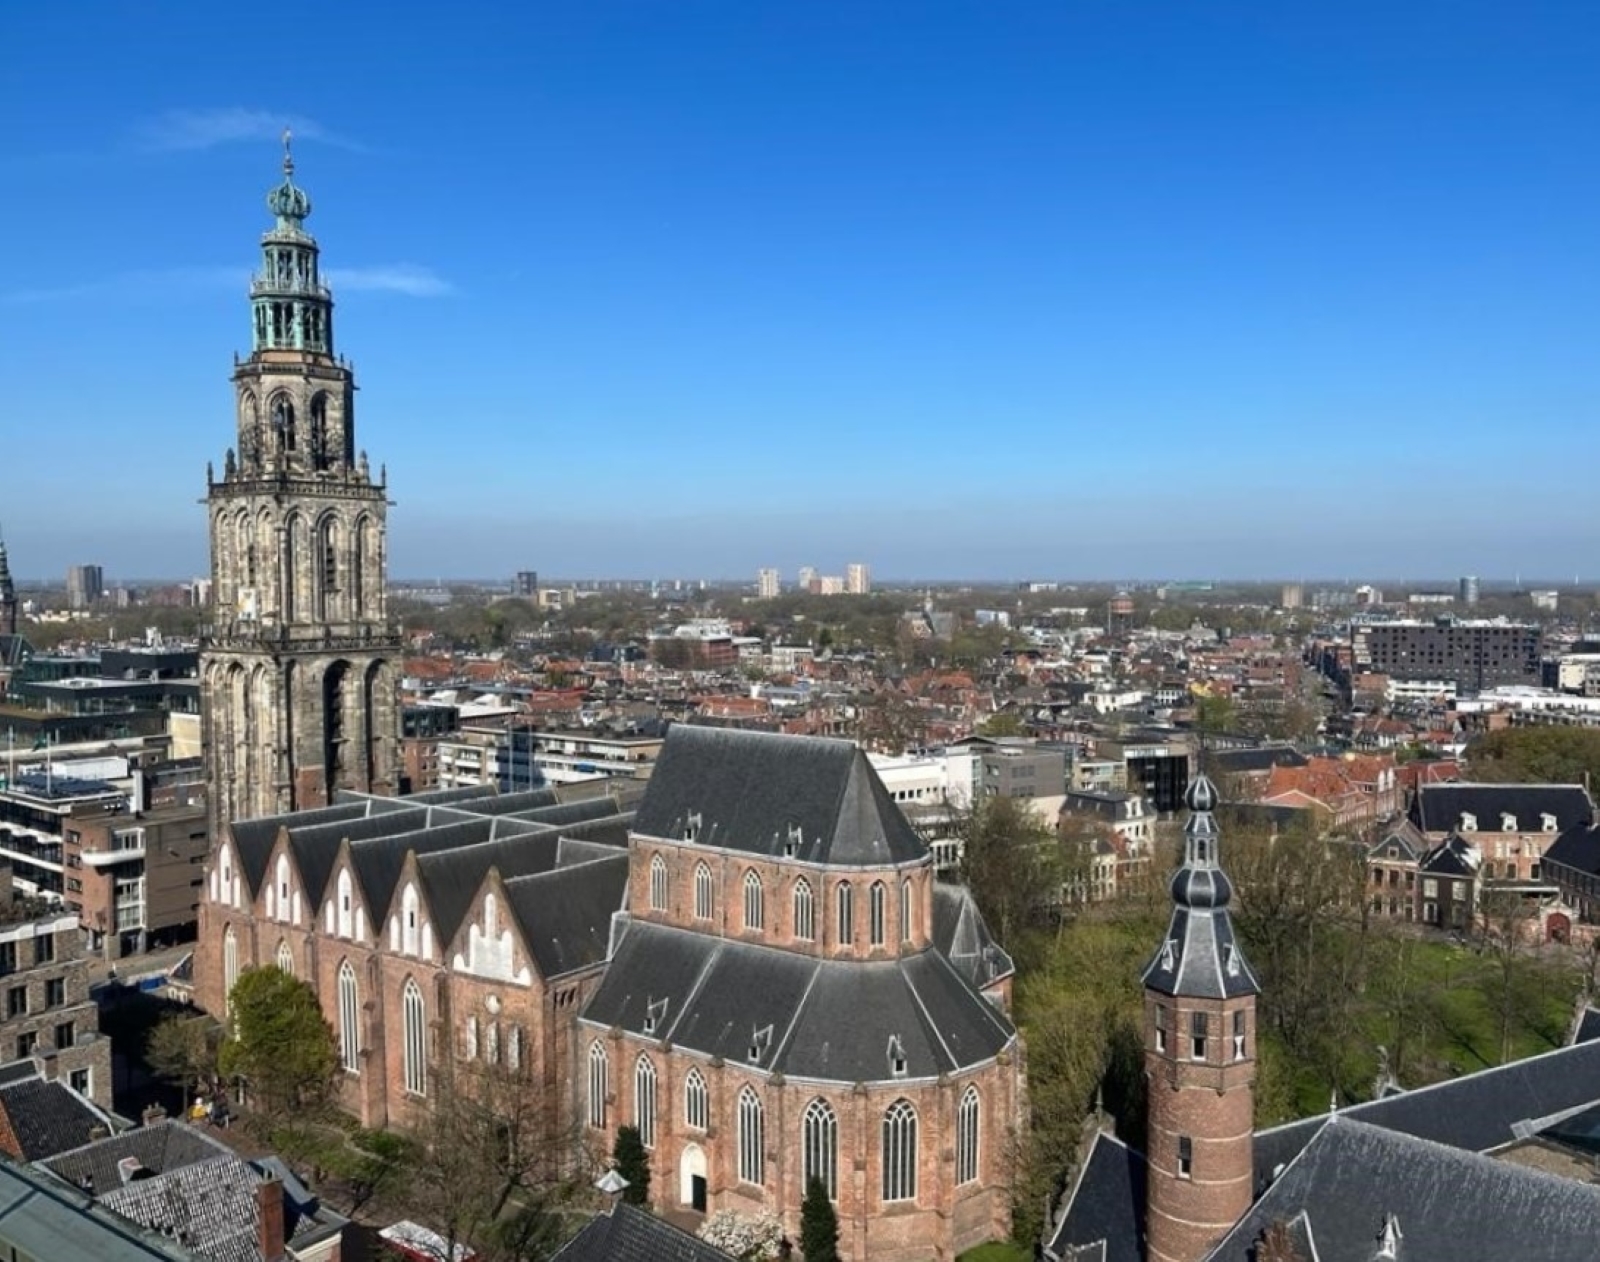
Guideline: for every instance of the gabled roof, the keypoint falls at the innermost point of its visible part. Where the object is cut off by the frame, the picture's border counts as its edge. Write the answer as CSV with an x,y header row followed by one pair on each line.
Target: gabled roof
x,y
1452,857
1446,1203
627,1234
761,793
830,1020
46,1118
1105,1206
1577,848
1478,1112
1403,834
565,915
962,937
1438,808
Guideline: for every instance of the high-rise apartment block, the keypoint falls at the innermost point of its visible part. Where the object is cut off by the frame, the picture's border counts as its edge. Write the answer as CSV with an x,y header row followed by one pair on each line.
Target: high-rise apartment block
x,y
1473,654
1294,596
525,584
1467,590
807,578
858,578
86,584
768,584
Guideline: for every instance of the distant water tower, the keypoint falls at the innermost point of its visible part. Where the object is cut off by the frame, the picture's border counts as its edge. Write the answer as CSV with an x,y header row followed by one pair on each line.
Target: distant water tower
x,y
1468,590
1119,614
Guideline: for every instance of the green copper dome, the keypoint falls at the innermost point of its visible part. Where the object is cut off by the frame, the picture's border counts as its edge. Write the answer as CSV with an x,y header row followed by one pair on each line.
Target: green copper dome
x,y
287,202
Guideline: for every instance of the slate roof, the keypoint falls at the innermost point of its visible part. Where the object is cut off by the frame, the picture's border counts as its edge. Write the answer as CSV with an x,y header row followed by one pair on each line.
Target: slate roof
x,y
1225,762
565,914
628,1234
1437,808
48,1118
1577,848
830,1020
757,792
963,938
163,1146
1105,1206
1403,835
1588,1027
1448,1204
1452,857
1476,1113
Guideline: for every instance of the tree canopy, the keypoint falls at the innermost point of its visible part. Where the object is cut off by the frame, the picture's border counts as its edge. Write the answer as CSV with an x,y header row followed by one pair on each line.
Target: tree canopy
x,y
278,1040
1544,754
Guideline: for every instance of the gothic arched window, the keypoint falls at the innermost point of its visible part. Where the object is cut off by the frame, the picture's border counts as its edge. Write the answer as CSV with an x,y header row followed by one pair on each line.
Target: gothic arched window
x,y
644,1101
358,566
702,892
752,1164
695,1109
845,897
349,1020
967,1137
753,906
876,912
658,884
905,910
285,959
820,1152
416,1039
805,924
230,966
900,1152
283,422
599,1084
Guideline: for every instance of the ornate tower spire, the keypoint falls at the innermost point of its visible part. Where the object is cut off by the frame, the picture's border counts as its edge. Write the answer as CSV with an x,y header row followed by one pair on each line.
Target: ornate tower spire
x,y
1200,1000
298,658
8,594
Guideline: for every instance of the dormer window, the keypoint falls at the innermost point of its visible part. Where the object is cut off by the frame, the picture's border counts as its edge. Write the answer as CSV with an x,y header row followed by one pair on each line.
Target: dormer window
x,y
1469,822
897,1057
1169,955
691,826
1508,822
791,844
1547,822
1230,960
760,1040
655,1012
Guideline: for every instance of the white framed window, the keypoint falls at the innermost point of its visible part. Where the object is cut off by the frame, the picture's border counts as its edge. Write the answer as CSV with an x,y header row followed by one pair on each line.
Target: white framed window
x,y
599,1084
230,967
845,906
820,1151
658,884
877,913
349,1020
345,906
702,892
1199,1027
805,924
967,1136
753,902
644,1100
694,1101
752,1161
416,1038
409,909
285,959
900,1152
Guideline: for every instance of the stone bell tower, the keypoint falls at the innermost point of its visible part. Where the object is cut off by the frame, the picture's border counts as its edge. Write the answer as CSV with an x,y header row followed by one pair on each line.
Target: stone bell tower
x,y
298,659
8,594
1200,1055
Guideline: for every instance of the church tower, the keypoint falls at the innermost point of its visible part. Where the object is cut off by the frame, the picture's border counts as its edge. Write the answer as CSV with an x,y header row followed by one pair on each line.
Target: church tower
x,y
298,660
8,594
1200,1055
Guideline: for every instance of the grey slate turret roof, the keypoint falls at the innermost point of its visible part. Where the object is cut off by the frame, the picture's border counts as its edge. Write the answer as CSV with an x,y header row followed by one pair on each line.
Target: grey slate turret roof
x,y
784,1012
627,1234
1446,1204
802,797
1200,957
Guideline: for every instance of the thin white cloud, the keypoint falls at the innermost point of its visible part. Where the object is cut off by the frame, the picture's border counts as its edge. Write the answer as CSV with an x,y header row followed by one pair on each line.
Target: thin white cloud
x,y
188,130
410,279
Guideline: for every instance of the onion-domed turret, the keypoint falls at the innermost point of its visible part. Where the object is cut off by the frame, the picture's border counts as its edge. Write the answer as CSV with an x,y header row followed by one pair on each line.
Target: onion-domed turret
x,y
289,203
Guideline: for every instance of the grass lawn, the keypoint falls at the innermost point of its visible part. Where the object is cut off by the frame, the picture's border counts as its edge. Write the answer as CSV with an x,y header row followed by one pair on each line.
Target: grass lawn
x,y
997,1251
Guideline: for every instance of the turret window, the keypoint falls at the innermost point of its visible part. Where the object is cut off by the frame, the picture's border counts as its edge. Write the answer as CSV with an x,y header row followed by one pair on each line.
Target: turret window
x,y
1238,1034
1162,1019
1199,1027
1185,1157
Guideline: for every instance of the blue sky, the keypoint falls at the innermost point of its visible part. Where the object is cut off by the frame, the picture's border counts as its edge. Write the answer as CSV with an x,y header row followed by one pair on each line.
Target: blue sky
x,y
1083,288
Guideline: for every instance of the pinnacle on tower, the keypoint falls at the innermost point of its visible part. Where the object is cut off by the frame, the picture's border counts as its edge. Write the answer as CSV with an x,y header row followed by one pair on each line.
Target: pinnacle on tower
x,y
8,593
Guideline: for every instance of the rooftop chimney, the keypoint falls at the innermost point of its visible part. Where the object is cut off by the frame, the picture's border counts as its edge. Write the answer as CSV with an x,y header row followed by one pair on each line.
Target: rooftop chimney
x,y
269,1219
155,1113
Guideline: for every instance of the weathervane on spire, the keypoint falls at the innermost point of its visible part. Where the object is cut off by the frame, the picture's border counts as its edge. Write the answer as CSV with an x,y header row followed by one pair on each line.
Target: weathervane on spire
x,y
288,157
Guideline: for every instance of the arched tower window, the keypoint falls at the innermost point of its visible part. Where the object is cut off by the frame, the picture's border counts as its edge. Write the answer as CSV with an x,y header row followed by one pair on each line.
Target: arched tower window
x,y
358,567
230,967
695,1108
820,1152
283,425
327,562
752,1165
644,1100
876,912
599,1084
753,906
319,430
349,1020
900,1152
702,892
805,925
967,1136
845,900
416,1038
658,884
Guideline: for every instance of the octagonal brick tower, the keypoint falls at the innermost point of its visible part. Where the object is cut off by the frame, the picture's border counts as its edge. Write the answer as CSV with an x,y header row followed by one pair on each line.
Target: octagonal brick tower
x,y
1200,1062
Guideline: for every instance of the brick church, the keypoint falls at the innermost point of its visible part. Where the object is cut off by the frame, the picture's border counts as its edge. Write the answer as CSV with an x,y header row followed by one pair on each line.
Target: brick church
x,y
752,963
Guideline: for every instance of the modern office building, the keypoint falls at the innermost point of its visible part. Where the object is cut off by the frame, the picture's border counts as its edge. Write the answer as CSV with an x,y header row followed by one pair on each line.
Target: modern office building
x,y
86,584
768,584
